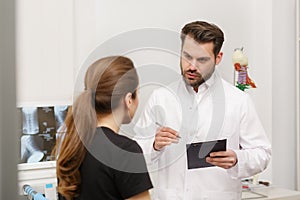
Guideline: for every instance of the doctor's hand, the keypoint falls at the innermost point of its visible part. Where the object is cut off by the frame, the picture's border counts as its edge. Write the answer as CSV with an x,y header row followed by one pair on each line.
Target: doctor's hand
x,y
224,159
164,136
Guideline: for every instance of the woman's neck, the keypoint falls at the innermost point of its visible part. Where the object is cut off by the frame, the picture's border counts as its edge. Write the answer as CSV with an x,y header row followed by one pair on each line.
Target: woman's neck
x,y
109,121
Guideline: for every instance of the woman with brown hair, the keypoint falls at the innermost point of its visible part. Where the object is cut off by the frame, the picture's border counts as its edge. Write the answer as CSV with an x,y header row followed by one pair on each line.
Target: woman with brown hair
x,y
93,161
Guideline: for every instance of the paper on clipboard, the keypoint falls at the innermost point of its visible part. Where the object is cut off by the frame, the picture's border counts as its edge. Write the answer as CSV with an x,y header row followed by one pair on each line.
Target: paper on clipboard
x,y
197,152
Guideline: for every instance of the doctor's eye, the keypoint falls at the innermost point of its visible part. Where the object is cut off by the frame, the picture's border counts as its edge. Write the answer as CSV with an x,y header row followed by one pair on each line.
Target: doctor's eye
x,y
203,59
187,56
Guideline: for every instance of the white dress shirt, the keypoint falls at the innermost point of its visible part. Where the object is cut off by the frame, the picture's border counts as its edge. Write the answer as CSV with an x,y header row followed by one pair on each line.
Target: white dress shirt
x,y
217,111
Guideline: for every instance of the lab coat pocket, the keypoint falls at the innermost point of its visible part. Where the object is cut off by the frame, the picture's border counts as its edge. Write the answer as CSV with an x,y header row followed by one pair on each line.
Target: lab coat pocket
x,y
166,194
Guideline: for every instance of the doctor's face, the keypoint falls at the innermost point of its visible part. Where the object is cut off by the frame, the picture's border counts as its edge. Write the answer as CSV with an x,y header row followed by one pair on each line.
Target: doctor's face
x,y
197,61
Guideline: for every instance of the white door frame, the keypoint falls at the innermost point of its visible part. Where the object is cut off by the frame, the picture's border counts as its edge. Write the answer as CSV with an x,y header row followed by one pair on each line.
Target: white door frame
x,y
8,112
298,90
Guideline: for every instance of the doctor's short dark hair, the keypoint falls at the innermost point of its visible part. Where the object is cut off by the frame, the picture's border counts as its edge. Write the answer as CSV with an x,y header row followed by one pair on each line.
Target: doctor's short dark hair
x,y
204,32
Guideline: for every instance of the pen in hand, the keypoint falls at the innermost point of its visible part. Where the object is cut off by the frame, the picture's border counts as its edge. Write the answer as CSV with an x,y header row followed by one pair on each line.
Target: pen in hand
x,y
158,124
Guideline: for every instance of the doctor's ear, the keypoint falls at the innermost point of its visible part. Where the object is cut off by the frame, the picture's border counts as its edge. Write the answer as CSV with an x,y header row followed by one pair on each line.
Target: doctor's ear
x,y
219,58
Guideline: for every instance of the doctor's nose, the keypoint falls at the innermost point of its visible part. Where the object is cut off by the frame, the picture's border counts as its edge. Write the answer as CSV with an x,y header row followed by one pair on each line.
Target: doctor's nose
x,y
193,65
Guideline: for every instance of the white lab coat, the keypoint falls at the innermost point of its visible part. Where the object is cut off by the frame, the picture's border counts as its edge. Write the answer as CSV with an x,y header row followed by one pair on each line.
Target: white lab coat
x,y
218,111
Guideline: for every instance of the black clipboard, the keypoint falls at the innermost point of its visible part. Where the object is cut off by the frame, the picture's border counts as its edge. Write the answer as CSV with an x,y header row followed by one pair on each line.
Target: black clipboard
x,y
197,152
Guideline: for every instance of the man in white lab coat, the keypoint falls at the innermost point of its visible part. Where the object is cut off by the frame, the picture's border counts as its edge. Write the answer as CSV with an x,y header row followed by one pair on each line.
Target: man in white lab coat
x,y
197,108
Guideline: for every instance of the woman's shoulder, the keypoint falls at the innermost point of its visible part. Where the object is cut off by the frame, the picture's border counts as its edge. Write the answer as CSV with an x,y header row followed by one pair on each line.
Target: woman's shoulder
x,y
130,144
122,141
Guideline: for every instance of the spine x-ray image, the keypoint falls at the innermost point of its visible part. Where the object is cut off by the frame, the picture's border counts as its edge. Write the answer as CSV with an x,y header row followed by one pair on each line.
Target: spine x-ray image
x,y
30,151
40,127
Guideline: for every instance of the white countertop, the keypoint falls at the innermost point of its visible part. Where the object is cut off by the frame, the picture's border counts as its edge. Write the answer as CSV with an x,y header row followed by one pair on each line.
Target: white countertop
x,y
264,193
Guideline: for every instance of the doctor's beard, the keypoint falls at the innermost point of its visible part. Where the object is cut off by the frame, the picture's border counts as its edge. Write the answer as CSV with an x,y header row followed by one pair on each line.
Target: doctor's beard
x,y
199,78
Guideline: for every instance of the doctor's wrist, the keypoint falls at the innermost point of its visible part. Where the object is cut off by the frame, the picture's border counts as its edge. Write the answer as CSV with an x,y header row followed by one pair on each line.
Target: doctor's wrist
x,y
156,149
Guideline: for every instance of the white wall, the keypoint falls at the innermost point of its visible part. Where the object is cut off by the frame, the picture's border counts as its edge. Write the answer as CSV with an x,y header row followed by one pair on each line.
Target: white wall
x,y
45,52
264,28
283,94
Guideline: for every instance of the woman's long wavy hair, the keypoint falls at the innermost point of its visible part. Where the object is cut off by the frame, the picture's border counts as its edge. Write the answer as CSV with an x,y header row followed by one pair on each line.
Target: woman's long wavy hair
x,y
107,81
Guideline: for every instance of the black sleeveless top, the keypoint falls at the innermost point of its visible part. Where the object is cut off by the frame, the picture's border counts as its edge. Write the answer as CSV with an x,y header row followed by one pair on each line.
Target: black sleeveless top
x,y
113,168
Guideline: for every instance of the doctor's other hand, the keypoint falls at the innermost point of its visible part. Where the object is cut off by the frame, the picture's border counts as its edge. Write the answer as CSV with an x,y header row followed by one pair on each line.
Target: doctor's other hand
x,y
225,159
164,136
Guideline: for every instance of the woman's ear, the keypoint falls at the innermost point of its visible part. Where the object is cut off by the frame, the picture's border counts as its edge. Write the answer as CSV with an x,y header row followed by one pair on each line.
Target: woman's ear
x,y
128,108
128,100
